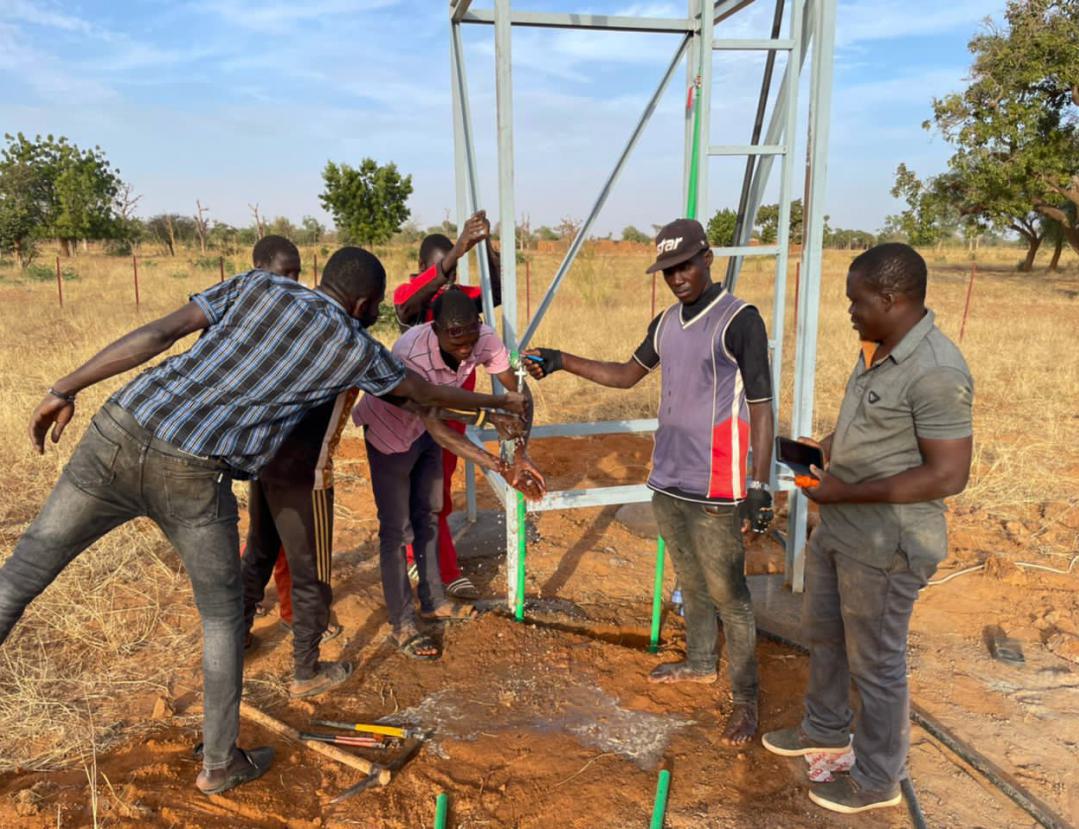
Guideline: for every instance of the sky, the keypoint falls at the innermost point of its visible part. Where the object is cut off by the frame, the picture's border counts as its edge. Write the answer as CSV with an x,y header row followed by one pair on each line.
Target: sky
x,y
242,102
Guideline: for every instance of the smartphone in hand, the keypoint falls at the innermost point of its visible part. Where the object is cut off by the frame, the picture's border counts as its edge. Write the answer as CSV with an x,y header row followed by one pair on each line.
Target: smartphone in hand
x,y
798,458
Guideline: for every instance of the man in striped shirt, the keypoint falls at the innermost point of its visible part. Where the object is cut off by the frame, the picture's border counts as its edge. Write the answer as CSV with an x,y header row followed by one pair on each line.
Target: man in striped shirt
x,y
715,403
169,444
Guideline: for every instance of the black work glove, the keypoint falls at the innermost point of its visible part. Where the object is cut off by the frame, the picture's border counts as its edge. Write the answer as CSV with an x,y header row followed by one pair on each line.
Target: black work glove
x,y
756,511
551,361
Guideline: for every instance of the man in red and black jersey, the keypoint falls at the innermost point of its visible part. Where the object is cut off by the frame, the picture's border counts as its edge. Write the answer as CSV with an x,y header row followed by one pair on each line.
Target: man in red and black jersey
x,y
413,301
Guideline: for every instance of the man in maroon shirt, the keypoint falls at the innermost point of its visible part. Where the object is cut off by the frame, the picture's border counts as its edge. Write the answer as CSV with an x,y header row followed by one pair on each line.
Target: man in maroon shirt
x,y
413,301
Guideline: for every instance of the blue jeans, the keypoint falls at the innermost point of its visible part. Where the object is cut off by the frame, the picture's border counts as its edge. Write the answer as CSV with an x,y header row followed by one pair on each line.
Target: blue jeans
x,y
706,547
119,472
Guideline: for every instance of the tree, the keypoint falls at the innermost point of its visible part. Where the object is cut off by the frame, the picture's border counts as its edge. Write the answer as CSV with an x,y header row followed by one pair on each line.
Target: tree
x,y
202,226
721,228
930,217
368,203
767,223
281,226
631,234
24,208
545,234
1016,122
313,231
170,230
52,188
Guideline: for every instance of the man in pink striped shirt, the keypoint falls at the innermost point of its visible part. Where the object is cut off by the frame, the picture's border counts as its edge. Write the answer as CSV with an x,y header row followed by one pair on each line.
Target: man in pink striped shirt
x,y
406,463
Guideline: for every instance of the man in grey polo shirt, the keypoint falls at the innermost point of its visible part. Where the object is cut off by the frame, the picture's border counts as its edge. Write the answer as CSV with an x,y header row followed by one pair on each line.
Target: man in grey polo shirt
x,y
902,444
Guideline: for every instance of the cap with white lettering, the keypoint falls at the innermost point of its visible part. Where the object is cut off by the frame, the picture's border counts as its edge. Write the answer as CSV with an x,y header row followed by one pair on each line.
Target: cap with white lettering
x,y
677,242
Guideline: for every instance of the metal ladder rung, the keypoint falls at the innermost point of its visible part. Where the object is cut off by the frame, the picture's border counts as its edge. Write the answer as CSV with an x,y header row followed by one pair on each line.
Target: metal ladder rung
x,y
747,149
752,45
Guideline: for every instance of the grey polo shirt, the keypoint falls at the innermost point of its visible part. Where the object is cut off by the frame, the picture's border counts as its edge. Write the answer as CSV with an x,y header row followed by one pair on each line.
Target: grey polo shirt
x,y
923,389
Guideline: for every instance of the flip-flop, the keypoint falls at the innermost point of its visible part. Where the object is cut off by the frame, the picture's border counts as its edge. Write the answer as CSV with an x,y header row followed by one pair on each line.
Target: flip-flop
x,y
463,588
331,675
257,763
411,647
451,612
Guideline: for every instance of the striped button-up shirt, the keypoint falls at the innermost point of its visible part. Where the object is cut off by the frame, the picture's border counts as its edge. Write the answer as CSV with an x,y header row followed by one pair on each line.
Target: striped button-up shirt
x,y
391,429
273,350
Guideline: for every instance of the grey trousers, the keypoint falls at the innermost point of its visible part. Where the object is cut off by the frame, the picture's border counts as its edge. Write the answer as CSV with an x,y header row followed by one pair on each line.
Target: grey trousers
x,y
856,619
706,547
119,472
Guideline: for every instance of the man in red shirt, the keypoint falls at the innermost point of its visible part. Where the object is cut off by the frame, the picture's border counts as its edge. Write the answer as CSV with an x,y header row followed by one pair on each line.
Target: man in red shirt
x,y
413,302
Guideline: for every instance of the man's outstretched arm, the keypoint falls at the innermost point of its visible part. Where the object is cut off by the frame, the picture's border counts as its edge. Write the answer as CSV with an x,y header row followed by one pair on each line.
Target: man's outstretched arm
x,y
430,395
126,353
543,361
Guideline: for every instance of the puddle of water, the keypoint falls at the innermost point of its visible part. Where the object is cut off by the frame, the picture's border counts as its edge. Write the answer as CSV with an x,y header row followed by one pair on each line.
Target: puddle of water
x,y
588,713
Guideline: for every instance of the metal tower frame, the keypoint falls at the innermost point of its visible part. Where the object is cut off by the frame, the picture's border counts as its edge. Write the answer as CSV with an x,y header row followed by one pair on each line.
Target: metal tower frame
x,y
810,22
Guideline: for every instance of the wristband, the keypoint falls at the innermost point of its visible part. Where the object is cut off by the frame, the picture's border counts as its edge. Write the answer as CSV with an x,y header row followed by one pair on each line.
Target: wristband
x,y
67,398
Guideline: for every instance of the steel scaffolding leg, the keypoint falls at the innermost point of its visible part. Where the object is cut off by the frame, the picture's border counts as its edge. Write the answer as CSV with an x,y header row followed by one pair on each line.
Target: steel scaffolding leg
x,y
820,107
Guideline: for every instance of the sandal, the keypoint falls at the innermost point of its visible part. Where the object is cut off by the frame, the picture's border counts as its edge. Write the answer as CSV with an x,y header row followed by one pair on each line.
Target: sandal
x,y
463,588
681,672
418,646
329,675
244,767
450,612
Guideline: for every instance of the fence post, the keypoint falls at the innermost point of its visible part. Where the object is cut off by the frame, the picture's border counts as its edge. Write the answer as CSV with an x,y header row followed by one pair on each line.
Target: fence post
x,y
59,283
314,273
221,268
653,298
135,268
966,307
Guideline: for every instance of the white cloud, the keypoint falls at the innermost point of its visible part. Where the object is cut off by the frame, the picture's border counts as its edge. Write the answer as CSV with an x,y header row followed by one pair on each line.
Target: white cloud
x,y
869,20
280,17
42,14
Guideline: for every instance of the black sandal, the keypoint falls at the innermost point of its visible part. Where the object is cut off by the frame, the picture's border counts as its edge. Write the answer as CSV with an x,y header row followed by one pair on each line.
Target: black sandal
x,y
413,642
255,763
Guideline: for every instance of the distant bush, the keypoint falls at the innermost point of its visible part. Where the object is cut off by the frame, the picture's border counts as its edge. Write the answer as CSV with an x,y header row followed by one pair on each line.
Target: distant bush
x,y
179,274
213,263
43,273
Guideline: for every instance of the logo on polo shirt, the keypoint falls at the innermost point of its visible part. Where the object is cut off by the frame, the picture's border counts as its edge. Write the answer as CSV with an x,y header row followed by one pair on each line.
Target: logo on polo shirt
x,y
873,396
667,245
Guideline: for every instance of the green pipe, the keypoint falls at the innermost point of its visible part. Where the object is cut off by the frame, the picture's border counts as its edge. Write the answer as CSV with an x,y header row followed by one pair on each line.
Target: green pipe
x,y
442,808
695,157
691,195
659,810
522,546
657,596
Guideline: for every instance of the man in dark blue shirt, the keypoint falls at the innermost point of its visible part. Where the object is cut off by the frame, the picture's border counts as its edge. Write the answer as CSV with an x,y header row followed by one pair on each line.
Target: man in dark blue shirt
x,y
170,442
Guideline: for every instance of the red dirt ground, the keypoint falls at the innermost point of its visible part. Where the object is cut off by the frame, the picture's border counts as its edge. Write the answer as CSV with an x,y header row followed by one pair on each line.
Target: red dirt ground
x,y
554,722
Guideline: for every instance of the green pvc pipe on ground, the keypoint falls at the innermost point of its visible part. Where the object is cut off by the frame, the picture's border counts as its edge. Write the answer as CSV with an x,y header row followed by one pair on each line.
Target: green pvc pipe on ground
x,y
659,810
657,596
442,808
522,539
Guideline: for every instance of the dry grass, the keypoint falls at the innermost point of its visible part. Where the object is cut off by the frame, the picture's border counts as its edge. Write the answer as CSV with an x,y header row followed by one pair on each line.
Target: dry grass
x,y
119,625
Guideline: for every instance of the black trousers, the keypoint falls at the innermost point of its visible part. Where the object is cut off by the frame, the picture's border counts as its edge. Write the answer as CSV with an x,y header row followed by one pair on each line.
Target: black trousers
x,y
298,517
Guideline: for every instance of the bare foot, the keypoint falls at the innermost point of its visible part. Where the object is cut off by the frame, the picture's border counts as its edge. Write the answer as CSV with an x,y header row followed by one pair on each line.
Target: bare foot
x,y
741,725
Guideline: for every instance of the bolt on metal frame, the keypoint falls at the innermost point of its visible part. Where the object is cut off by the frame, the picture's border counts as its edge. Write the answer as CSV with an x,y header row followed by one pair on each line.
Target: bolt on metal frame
x,y
810,22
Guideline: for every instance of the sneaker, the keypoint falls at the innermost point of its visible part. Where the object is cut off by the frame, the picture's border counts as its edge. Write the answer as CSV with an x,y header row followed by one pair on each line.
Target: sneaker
x,y
676,602
844,795
244,767
792,742
329,675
